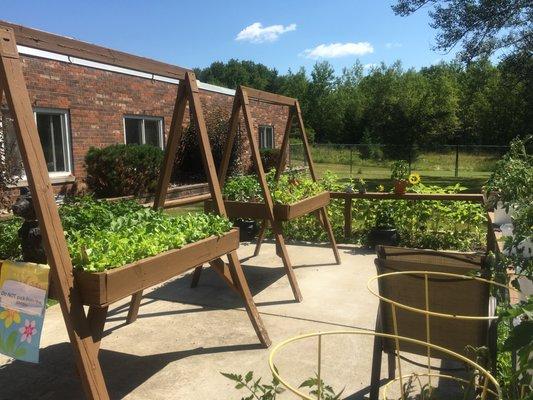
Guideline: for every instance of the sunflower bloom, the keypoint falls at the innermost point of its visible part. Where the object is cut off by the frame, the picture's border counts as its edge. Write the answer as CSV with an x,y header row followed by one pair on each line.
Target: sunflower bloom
x,y
10,316
381,188
414,179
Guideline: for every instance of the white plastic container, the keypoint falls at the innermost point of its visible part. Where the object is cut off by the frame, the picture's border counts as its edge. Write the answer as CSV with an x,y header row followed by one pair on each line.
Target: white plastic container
x,y
501,216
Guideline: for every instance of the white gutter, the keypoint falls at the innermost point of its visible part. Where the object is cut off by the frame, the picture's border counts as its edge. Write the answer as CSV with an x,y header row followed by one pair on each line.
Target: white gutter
x,y
30,51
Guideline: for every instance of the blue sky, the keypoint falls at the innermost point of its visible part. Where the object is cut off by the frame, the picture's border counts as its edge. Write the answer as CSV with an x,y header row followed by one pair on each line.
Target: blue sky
x,y
281,34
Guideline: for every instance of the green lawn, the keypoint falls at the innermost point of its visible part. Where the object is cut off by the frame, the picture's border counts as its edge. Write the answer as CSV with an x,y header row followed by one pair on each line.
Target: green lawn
x,y
435,167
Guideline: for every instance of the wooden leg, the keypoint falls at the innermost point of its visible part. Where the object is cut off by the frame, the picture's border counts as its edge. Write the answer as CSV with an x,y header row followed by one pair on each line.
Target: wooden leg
x,y
260,237
224,271
240,280
134,307
331,236
376,368
391,360
280,243
196,276
97,317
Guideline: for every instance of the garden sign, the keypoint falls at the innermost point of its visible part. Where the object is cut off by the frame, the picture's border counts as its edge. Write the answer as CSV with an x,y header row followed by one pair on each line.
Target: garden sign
x,y
23,291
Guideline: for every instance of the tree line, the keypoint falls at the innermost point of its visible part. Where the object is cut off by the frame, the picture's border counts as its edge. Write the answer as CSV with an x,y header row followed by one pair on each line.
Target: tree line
x,y
448,103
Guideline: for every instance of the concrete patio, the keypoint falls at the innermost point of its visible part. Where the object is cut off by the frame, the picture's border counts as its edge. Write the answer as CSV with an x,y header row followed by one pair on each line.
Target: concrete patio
x,y
184,337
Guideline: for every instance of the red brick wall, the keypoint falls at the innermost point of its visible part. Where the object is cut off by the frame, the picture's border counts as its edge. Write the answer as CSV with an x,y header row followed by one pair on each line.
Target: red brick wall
x,y
97,101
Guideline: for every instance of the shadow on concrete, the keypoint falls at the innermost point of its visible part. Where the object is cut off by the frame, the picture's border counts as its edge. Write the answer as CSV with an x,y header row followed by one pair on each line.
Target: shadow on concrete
x,y
55,377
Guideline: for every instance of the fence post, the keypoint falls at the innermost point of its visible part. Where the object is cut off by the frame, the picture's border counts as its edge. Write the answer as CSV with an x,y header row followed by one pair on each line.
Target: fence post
x,y
457,161
347,218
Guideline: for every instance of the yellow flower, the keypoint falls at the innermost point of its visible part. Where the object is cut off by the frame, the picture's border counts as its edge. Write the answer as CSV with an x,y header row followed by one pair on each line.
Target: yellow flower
x,y
381,188
414,178
10,316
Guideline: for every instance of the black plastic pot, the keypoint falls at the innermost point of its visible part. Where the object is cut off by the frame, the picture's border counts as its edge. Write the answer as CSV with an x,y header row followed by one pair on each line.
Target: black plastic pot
x,y
248,229
383,236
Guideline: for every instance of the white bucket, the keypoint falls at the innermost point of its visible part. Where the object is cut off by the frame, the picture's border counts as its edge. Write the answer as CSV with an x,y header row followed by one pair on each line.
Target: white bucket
x,y
501,216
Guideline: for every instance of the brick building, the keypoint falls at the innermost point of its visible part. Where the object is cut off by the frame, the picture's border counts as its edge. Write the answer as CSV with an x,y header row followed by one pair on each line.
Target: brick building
x,y
79,103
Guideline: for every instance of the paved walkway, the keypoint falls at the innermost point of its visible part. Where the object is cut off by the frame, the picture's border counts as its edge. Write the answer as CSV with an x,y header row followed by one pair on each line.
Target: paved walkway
x,y
184,337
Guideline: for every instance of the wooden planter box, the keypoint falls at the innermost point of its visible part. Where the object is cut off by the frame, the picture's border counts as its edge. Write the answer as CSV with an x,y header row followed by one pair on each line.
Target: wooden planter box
x,y
282,212
104,288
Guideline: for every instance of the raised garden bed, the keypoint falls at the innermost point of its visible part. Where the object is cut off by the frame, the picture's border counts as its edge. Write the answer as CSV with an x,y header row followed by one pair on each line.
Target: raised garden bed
x,y
103,288
282,212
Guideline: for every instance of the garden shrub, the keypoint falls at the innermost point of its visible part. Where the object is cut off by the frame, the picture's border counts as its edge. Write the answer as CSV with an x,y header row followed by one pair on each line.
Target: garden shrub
x,y
122,170
11,168
270,158
188,166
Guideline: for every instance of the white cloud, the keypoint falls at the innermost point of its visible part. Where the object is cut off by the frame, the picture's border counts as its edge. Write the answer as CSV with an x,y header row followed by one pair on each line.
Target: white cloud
x,y
393,45
334,50
370,66
257,33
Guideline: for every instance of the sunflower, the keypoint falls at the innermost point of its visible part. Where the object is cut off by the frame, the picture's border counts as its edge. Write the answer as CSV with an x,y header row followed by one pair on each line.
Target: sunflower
x,y
414,178
381,188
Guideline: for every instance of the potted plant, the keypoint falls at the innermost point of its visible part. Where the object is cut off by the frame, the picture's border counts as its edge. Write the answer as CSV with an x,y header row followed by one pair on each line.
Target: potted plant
x,y
400,175
384,232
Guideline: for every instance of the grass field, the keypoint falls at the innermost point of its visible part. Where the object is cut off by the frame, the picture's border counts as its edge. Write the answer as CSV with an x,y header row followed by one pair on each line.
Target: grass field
x,y
435,167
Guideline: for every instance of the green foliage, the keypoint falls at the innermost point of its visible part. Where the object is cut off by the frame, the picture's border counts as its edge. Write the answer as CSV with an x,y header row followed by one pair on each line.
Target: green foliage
x,y
400,170
482,27
10,244
258,390
104,235
188,164
447,103
290,188
261,391
270,158
512,178
121,170
318,387
440,225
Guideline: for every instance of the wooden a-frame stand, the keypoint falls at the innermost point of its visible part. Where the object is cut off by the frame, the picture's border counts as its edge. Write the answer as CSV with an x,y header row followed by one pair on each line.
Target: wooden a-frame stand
x,y
242,102
85,330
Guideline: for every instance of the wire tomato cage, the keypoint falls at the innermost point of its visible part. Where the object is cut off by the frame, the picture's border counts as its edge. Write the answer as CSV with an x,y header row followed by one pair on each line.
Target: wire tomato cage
x,y
479,385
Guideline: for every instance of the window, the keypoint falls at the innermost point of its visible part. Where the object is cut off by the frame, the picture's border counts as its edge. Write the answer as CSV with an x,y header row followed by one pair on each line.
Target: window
x,y
266,137
143,130
53,132
52,126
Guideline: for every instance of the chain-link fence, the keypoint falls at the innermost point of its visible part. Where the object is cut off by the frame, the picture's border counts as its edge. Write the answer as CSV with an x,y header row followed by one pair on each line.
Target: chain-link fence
x,y
373,161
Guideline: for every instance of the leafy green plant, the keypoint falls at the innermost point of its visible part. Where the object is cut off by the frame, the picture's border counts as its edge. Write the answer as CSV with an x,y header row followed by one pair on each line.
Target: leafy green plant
x,y
290,188
10,244
400,170
103,235
512,178
258,390
270,391
318,388
121,170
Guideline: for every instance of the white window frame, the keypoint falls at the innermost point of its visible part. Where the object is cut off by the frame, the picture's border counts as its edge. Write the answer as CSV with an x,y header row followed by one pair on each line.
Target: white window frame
x,y
65,125
263,144
145,118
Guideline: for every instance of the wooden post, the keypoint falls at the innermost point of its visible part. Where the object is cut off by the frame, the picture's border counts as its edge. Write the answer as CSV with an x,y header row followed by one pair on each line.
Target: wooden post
x,y
347,218
53,239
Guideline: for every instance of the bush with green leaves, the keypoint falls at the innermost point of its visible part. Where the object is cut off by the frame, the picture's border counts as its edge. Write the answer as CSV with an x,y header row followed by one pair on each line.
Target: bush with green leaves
x,y
512,178
400,170
122,170
290,188
104,235
450,225
188,165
